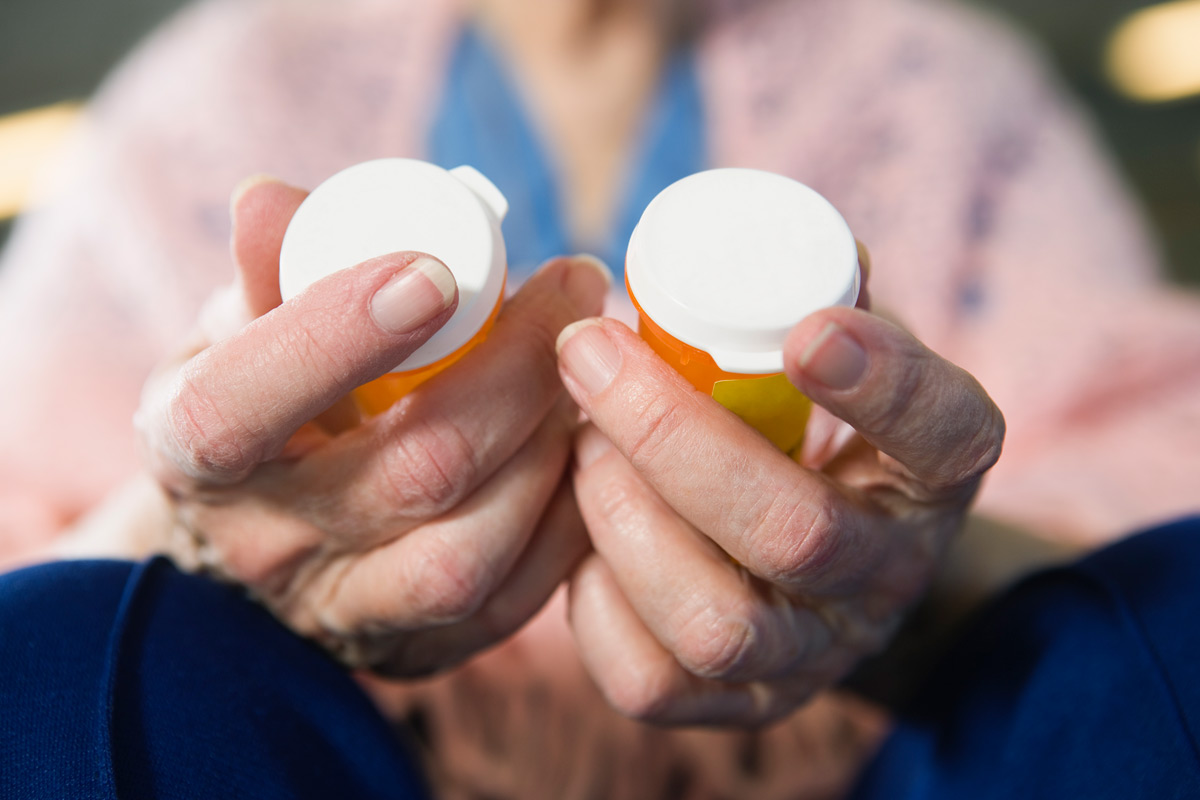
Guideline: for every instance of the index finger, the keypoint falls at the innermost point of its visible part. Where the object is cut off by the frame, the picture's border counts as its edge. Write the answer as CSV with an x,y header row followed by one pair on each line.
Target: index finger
x,y
786,524
237,403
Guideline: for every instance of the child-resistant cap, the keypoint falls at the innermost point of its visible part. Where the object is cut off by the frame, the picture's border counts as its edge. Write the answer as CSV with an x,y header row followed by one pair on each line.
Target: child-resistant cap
x,y
729,260
394,204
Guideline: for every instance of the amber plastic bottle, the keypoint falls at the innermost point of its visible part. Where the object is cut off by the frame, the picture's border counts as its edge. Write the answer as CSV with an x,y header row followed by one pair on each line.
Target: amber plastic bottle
x,y
721,266
394,204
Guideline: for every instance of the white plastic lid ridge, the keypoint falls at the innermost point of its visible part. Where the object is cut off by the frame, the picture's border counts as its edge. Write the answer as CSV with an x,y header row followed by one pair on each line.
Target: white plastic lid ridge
x,y
394,204
729,260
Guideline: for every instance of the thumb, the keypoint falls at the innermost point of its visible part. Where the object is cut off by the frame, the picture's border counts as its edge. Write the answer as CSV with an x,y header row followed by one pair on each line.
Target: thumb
x,y
905,399
261,208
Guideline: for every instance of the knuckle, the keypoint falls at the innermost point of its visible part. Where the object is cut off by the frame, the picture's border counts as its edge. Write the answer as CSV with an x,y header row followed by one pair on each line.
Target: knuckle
x,y
718,645
984,449
795,540
644,691
658,424
979,452
616,497
431,469
445,584
203,442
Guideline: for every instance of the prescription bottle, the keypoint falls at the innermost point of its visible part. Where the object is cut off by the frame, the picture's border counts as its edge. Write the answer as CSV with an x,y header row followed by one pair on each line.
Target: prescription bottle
x,y
720,267
393,204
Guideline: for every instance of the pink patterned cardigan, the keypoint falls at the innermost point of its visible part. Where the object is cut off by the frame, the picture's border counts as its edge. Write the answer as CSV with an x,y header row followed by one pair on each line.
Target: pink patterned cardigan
x,y
999,234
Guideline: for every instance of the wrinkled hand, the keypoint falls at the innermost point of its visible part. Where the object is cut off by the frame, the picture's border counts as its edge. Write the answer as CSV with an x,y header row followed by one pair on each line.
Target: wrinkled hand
x,y
404,542
729,582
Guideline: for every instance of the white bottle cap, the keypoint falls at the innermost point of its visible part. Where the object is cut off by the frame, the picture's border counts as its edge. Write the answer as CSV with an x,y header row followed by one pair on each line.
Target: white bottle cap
x,y
729,260
394,204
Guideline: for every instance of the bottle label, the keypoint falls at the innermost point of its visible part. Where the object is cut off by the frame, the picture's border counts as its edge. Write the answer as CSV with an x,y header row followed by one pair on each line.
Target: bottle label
x,y
771,405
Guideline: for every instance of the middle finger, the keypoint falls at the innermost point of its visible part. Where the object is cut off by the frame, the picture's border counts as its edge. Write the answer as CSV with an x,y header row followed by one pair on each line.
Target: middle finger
x,y
443,572
432,449
715,619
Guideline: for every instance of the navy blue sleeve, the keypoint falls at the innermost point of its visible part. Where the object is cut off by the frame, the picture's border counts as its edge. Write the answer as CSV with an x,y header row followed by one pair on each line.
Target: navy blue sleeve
x,y
1081,682
138,681
124,680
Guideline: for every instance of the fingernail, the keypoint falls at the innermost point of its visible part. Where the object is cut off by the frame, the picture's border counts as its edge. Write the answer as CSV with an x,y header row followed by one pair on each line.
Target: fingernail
x,y
589,355
415,295
597,265
590,447
587,283
864,258
834,358
244,186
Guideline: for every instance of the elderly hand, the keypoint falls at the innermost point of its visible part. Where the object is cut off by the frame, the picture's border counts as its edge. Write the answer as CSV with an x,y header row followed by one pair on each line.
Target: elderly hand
x,y
404,542
729,582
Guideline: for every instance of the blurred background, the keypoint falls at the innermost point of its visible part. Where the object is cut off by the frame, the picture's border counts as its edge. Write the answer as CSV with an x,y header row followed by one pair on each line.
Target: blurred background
x,y
1135,65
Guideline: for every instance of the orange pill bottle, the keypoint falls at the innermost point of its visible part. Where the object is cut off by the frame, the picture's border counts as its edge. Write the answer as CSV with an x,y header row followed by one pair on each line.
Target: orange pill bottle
x,y
720,267
394,204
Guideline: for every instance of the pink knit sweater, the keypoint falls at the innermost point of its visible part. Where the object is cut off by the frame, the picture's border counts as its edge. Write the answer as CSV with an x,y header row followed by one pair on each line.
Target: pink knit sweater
x,y
999,234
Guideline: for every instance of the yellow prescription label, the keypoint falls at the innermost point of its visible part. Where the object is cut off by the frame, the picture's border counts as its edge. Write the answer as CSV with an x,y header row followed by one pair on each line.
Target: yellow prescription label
x,y
770,405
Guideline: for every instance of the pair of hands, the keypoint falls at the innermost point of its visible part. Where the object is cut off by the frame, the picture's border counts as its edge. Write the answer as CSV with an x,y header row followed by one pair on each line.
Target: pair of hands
x,y
712,579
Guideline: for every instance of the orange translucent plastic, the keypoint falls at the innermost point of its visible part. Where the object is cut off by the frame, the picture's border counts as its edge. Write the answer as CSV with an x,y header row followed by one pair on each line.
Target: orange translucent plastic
x,y
692,363
381,394
769,403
